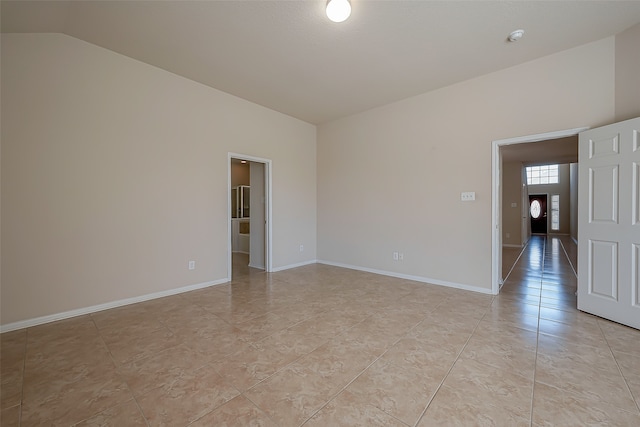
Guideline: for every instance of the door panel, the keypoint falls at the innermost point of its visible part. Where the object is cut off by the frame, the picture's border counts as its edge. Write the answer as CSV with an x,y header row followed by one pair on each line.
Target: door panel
x,y
604,280
636,273
636,203
603,202
609,222
604,147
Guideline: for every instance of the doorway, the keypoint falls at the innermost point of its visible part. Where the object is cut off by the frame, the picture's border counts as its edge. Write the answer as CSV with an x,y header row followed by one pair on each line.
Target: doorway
x,y
538,213
496,195
249,214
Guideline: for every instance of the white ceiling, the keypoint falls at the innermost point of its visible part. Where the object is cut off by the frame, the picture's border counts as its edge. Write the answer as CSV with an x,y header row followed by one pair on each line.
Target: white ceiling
x,y
286,55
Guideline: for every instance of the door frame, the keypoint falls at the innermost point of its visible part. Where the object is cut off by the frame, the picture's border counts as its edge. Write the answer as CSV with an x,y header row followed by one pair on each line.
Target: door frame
x,y
267,209
496,195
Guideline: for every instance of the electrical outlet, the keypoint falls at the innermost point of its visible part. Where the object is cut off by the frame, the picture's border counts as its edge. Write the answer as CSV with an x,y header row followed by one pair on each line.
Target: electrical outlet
x,y
192,265
508,235
468,196
396,256
301,248
401,256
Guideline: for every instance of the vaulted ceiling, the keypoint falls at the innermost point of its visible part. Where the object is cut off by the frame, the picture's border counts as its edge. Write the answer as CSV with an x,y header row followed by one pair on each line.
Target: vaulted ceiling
x,y
286,55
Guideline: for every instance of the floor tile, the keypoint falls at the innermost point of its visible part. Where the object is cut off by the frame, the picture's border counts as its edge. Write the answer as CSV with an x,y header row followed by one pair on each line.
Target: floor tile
x,y
127,346
11,385
592,376
249,367
401,391
585,332
239,411
10,417
347,411
422,354
76,401
125,414
187,399
455,407
289,397
161,369
621,338
504,352
508,388
552,406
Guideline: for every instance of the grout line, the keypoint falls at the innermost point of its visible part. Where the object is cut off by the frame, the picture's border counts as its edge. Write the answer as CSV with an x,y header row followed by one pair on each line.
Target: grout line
x,y
524,248
568,259
389,347
542,259
535,361
618,365
332,398
368,366
24,369
254,404
117,369
424,411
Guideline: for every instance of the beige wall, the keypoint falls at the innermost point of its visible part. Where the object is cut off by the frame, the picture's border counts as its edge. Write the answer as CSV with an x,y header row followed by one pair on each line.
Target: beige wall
x,y
114,176
628,74
562,188
512,193
374,199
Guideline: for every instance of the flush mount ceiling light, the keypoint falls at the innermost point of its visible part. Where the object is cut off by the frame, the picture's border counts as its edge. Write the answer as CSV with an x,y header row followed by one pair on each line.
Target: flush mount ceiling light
x,y
338,10
515,35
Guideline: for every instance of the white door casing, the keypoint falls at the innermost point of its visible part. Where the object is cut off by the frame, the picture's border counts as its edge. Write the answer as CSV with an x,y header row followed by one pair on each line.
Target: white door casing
x,y
609,222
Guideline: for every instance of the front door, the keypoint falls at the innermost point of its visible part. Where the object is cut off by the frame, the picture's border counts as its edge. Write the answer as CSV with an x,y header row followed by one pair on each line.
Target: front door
x,y
538,213
609,222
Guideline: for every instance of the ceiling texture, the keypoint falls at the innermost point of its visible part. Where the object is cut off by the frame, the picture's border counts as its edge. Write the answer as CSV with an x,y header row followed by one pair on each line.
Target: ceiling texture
x,y
288,56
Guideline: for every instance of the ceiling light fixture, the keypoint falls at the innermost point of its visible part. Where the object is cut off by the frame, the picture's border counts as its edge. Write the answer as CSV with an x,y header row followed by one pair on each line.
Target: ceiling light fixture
x,y
516,35
338,10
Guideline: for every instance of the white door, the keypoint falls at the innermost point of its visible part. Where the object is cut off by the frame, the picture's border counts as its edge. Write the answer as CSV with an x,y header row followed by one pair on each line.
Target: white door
x,y
609,222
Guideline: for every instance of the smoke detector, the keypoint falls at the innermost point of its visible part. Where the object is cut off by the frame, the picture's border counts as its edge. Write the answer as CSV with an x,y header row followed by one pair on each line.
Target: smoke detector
x,y
515,35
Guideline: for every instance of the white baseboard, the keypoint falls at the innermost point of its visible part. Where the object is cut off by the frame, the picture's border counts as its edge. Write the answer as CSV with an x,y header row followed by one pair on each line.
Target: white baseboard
x,y
300,264
100,307
119,303
410,277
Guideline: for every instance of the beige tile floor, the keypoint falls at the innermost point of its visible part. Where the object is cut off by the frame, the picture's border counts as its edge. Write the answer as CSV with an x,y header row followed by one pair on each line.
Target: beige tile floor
x,y
324,346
